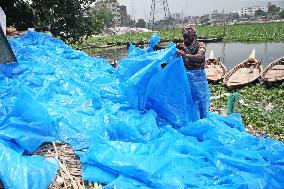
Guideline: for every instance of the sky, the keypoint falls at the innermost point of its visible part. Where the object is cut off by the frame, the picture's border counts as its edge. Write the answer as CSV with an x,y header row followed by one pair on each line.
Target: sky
x,y
141,8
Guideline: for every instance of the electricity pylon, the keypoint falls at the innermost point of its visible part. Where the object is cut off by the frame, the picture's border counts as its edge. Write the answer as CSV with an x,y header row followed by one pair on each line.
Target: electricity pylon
x,y
159,11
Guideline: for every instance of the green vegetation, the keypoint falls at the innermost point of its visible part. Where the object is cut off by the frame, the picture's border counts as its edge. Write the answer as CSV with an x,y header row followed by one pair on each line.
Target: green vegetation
x,y
268,32
141,23
262,108
66,18
281,14
259,13
19,13
246,32
100,18
273,10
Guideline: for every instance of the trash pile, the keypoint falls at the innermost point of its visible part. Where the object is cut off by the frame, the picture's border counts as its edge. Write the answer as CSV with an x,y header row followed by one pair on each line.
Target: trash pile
x,y
136,126
124,30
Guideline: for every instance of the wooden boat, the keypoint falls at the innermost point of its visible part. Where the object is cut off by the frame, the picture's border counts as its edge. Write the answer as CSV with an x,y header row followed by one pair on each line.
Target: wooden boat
x,y
244,73
214,69
274,73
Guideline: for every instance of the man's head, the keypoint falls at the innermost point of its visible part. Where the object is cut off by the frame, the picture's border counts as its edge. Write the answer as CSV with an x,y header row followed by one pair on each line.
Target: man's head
x,y
189,33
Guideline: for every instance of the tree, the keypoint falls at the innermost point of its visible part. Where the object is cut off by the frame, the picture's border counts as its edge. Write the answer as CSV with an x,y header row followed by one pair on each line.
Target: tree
x,y
18,13
101,18
235,16
141,23
273,10
63,17
204,19
281,14
132,23
259,13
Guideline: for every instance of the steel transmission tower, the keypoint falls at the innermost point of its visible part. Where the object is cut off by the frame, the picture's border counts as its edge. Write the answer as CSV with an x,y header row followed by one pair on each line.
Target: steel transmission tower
x,y
159,11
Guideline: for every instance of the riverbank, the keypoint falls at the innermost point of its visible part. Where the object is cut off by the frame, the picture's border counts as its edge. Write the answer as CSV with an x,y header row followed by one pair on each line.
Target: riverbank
x,y
261,108
266,32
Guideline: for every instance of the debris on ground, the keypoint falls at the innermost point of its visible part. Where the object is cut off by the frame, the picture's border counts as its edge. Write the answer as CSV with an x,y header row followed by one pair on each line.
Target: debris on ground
x,y
69,176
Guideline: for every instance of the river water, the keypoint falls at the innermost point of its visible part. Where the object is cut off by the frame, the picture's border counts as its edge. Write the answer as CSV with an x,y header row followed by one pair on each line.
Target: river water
x,y
231,54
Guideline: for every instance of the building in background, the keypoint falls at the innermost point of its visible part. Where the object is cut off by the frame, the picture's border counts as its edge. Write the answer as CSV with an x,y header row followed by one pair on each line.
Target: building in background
x,y
192,19
219,18
216,18
250,11
177,18
119,12
125,18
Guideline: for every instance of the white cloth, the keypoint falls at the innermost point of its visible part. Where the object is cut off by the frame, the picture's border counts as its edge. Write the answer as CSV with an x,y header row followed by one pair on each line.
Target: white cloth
x,y
3,20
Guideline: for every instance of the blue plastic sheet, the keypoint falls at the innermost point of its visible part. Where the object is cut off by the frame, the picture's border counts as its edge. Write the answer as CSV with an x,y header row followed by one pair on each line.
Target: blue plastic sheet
x,y
170,95
17,171
136,85
140,123
154,40
199,91
210,154
134,51
28,124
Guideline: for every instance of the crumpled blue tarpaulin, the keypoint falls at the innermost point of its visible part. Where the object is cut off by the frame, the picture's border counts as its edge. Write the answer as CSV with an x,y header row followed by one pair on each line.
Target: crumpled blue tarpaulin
x,y
139,123
22,130
17,171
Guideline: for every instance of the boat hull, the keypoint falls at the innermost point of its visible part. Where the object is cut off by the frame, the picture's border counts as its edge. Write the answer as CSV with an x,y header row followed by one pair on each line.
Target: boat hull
x,y
273,74
244,74
215,70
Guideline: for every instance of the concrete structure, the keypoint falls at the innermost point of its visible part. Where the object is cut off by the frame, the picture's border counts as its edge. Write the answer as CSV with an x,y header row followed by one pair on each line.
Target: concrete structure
x,y
192,19
216,18
3,20
176,16
125,18
120,17
221,18
250,11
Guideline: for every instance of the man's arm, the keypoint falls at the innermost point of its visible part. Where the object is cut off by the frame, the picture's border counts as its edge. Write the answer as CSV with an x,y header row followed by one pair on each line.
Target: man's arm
x,y
199,56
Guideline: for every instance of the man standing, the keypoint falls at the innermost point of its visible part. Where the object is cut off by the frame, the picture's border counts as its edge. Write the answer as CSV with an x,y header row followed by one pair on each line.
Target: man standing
x,y
193,54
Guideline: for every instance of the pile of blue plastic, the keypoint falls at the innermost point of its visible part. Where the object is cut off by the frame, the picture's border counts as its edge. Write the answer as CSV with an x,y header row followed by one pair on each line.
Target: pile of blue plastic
x,y
139,123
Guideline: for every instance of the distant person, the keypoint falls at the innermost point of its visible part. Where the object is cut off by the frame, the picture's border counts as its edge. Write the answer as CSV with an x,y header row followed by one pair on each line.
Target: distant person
x,y
193,54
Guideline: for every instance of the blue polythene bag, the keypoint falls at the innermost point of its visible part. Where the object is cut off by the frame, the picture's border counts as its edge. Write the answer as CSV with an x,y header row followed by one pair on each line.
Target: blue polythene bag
x,y
134,51
26,172
136,77
28,124
153,41
169,94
